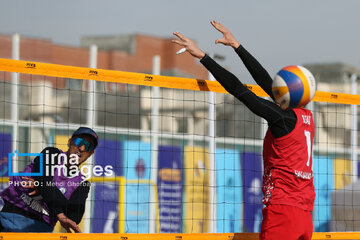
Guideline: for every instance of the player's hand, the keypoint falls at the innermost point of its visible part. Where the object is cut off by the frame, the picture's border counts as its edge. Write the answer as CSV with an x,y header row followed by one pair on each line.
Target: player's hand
x,y
189,45
68,224
30,184
228,38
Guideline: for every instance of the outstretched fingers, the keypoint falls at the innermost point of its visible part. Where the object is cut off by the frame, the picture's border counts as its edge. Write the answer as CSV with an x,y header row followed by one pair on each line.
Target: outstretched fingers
x,y
218,26
228,38
182,40
179,35
188,45
221,29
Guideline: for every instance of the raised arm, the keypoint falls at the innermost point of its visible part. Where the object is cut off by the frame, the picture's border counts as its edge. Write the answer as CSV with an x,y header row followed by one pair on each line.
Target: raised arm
x,y
268,110
259,74
281,122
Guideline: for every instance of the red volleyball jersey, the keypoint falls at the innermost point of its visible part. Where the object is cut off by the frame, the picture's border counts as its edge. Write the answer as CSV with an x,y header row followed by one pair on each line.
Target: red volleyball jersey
x,y
288,176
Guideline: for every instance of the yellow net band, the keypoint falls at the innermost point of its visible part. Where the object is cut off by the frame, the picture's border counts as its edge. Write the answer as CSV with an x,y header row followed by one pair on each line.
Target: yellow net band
x,y
56,70
163,236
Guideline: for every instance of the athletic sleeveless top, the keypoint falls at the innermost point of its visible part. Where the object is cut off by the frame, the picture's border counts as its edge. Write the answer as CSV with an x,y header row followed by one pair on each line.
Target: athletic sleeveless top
x,y
288,176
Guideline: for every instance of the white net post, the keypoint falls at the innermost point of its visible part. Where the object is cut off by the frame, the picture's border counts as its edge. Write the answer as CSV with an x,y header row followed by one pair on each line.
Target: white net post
x,y
354,130
91,111
154,144
91,122
15,99
212,159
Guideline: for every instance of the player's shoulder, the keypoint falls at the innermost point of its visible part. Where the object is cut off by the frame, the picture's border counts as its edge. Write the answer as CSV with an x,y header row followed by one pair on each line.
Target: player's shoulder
x,y
290,113
302,112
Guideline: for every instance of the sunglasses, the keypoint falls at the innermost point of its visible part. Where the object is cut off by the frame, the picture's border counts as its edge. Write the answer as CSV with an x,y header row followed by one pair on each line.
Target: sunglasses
x,y
80,142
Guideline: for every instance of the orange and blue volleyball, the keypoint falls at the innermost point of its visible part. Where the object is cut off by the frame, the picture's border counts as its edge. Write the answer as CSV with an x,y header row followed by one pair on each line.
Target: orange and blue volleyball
x,y
293,87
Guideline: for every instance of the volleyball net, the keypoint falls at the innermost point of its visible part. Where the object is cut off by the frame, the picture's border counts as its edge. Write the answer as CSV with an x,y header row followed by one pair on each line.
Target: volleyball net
x,y
183,156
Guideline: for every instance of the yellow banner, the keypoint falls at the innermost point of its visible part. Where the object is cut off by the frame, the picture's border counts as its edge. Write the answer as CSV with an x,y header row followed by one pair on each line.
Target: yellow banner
x,y
342,171
61,142
196,190
62,71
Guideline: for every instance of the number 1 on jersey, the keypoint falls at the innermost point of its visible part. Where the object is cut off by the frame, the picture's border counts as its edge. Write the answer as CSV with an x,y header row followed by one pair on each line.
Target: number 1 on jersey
x,y
308,144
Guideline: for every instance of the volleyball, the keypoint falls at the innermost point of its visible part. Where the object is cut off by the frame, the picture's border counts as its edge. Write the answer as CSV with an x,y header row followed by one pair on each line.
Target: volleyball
x,y
294,87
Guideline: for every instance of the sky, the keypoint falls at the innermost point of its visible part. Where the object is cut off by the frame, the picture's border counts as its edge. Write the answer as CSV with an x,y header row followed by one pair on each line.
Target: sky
x,y
277,32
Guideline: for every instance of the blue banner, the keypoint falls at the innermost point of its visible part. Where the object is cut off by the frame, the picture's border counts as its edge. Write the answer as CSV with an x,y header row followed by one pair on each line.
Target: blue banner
x,y
229,191
137,166
5,149
170,188
106,202
106,208
137,207
324,185
252,179
137,160
109,153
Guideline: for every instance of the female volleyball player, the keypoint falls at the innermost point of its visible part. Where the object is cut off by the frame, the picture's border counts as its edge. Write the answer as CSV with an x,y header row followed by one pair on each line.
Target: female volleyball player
x,y
56,196
287,179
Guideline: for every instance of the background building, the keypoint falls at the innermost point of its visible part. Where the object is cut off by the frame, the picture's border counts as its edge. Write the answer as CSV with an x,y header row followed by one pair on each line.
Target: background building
x,y
65,100
333,121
